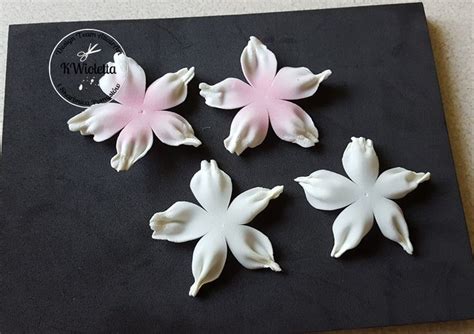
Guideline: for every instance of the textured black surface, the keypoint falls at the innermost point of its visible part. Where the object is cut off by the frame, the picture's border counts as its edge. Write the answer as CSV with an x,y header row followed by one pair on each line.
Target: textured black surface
x,y
76,249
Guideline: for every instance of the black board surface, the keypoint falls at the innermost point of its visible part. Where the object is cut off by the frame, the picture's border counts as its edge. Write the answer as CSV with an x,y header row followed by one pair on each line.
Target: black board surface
x,y
76,253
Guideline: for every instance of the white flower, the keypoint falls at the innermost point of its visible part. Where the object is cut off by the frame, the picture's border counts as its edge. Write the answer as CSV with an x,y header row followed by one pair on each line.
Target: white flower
x,y
219,224
366,196
264,100
138,113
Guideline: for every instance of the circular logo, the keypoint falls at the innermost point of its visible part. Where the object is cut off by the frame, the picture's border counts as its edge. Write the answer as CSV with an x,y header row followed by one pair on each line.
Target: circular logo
x,y
78,62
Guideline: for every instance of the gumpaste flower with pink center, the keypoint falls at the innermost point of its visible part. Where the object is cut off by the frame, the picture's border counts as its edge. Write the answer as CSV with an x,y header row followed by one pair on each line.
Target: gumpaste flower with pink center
x,y
220,223
264,100
366,194
138,113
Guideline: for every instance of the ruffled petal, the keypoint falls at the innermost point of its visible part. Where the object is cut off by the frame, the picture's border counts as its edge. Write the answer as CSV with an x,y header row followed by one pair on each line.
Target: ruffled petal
x,y
132,144
352,224
245,207
361,162
168,91
248,129
208,260
395,183
171,128
291,123
183,221
326,190
101,120
251,247
258,64
127,85
230,93
392,224
293,83
212,187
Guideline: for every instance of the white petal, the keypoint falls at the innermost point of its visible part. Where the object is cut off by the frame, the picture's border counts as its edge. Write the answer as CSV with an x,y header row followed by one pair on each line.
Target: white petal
x,y
251,247
248,129
102,120
171,128
361,162
352,224
258,64
212,187
183,221
208,260
168,91
291,123
245,207
129,79
228,94
132,144
391,222
327,190
293,83
395,183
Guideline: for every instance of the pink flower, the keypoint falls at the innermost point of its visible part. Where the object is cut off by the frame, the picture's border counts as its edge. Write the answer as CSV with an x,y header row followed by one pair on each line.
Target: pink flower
x,y
265,99
138,113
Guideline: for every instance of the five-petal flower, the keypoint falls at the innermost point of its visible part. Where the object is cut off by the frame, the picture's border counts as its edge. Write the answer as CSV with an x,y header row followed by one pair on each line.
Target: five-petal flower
x,y
366,196
219,224
264,99
139,112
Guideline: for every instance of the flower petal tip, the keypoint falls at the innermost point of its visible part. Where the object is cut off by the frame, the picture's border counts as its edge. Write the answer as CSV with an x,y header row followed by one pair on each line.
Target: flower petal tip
x,y
193,291
276,191
254,39
325,74
337,252
121,162
307,140
192,141
234,146
187,74
301,179
407,246
424,177
273,266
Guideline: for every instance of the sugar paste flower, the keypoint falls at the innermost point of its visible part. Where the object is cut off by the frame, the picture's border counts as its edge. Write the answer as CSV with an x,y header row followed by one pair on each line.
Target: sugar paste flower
x,y
264,99
138,113
366,196
219,224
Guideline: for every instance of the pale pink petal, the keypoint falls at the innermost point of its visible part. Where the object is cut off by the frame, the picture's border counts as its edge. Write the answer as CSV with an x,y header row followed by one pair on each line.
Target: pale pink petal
x,y
326,190
293,83
291,123
127,85
245,207
248,129
183,221
361,162
102,120
392,224
208,260
230,93
258,64
171,128
396,182
350,226
251,247
168,91
212,187
132,144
